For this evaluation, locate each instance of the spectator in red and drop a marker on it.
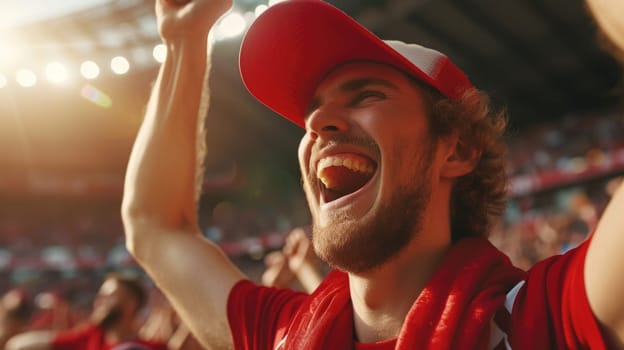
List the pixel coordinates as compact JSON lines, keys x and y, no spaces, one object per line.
{"x":112,"y":324}
{"x":15,"y":313}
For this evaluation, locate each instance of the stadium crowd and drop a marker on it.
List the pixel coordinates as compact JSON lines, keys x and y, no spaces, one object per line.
{"x":54,"y":258}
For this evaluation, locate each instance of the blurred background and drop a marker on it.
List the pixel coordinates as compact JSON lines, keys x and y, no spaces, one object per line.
{"x":75,"y":77}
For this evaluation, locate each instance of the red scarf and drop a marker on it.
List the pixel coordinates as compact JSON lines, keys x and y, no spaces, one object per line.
{"x":452,"y":312}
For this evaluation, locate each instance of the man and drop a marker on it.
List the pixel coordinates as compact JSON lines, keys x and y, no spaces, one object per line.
{"x":403,"y":170}
{"x":112,"y":323}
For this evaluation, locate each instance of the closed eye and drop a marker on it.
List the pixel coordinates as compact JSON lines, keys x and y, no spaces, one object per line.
{"x":366,"y":96}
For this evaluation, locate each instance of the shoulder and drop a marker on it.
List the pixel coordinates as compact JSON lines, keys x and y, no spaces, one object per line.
{"x":550,"y":308}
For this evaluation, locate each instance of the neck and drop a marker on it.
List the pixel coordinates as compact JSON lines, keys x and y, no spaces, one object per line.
{"x":382,"y":298}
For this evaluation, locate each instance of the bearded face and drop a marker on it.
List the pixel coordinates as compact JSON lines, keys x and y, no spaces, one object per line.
{"x":108,"y":305}
{"x":367,"y":162}
{"x":108,"y":319}
{"x":358,"y":244}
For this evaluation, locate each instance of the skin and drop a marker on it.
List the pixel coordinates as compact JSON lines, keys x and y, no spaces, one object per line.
{"x":159,"y":205}
{"x":295,"y":261}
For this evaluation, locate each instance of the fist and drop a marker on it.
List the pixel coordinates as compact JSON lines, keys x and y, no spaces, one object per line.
{"x":180,"y":19}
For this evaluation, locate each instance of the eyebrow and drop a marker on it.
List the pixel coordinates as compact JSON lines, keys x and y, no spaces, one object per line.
{"x":359,"y":83}
{"x":351,"y":86}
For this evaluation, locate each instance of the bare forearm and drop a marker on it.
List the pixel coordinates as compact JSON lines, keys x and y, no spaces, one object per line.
{"x":603,"y":267}
{"x":164,"y":165}
{"x":164,"y":176}
{"x":36,"y":340}
{"x":159,"y":206}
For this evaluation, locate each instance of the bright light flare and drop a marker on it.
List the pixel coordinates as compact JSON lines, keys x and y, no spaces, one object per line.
{"x":9,"y":51}
{"x":160,"y":53}
{"x":97,"y":96}
{"x":273,"y":2}
{"x":56,"y":72}
{"x":120,"y":65}
{"x":89,"y":70}
{"x":260,"y":9}
{"x":233,"y":24}
{"x":3,"y":81}
{"x":26,"y":77}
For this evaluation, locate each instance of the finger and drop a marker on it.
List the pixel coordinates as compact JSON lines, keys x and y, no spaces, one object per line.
{"x":274,"y":258}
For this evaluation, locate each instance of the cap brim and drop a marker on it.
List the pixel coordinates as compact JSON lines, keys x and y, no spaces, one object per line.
{"x":290,"y":48}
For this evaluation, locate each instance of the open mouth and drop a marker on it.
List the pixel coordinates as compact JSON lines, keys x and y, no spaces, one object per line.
{"x":343,"y":174}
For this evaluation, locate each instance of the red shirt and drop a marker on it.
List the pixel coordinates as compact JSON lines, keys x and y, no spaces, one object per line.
{"x":92,"y":338}
{"x":547,"y":310}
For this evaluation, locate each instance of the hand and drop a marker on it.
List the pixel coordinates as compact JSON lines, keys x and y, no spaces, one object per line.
{"x":277,"y":273}
{"x":298,"y":250}
{"x":180,"y":18}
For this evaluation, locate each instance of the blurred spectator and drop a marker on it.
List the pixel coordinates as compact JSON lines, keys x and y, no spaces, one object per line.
{"x":112,"y":323}
{"x":54,"y":312}
{"x":163,"y":324}
{"x":295,"y":261}
{"x":15,"y":312}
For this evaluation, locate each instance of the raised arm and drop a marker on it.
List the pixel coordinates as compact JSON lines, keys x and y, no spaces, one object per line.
{"x":34,"y":340}
{"x":604,"y":264}
{"x":164,"y":175}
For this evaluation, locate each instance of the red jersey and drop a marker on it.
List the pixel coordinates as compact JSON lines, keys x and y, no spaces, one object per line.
{"x":546,"y":309}
{"x":92,"y":338}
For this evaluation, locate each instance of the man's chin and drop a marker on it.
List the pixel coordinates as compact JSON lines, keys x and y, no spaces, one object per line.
{"x":365,"y":242}
{"x":349,"y":245}
{"x":106,"y":320}
{"x":346,"y":215}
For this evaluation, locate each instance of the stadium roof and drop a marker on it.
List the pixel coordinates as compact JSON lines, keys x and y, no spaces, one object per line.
{"x":541,"y":57}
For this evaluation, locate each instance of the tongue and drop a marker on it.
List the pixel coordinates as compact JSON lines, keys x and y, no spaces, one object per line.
{"x":342,"y":180}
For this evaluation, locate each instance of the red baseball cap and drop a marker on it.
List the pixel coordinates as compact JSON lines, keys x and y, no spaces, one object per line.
{"x":292,"y":46}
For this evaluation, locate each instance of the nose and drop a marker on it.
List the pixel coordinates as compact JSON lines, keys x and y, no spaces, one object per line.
{"x":326,"y":122}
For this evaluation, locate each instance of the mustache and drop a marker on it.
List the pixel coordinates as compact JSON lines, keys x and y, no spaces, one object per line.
{"x":364,"y":142}
{"x":343,"y":139}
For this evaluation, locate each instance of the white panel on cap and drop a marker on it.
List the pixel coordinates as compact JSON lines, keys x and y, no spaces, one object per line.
{"x":422,"y":57}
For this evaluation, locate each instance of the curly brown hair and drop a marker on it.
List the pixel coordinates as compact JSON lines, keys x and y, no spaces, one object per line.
{"x":478,"y":197}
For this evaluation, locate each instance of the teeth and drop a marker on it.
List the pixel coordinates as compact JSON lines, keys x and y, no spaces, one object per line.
{"x":350,"y":163}
{"x":327,"y":182}
{"x":353,"y":163}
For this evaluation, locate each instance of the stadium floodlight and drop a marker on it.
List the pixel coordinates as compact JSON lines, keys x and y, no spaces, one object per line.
{"x":56,"y":72}
{"x":89,"y":70}
{"x":26,"y":77}
{"x":273,"y":2}
{"x":233,"y":24}
{"x":260,"y":9}
{"x":10,"y":52}
{"x":120,"y":65}
{"x":160,"y":53}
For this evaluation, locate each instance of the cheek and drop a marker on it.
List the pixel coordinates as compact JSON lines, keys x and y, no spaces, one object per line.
{"x":303,"y":153}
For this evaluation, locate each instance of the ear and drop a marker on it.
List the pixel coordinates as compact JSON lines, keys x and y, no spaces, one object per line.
{"x":459,"y":159}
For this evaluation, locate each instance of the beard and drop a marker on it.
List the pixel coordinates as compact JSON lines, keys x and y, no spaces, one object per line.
{"x":109,"y":319}
{"x":357,"y":245}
